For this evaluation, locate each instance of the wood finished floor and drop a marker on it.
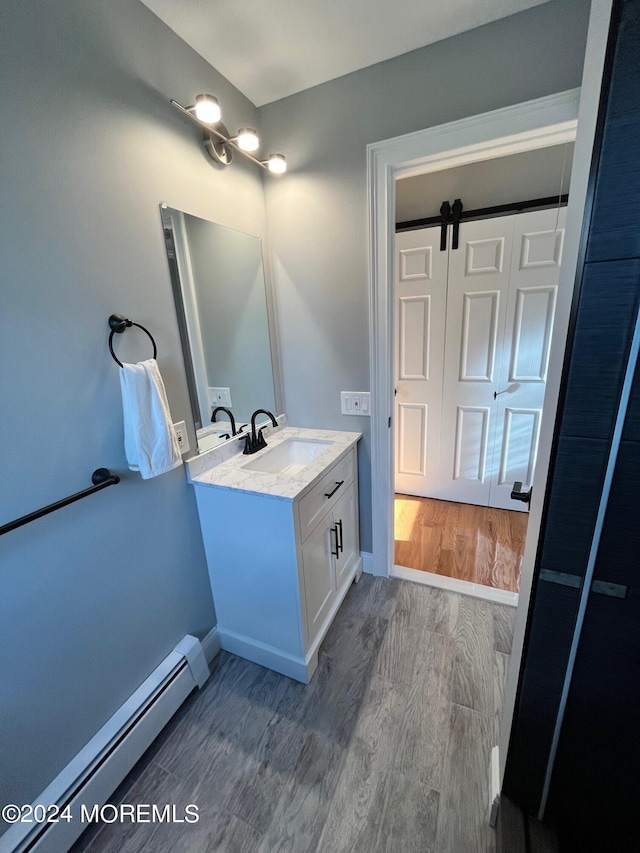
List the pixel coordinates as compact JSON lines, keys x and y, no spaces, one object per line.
{"x":387,"y":749}
{"x":472,"y":543}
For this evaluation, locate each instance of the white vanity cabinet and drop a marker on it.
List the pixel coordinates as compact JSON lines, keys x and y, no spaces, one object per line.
{"x":280,"y":566}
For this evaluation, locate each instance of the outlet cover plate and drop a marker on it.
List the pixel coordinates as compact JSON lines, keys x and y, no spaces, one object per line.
{"x":355,"y":403}
{"x":181,"y":434}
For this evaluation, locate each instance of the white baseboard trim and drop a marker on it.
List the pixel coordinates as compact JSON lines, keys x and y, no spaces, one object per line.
{"x":211,"y":644}
{"x":495,"y":786}
{"x":247,"y":647}
{"x":476,"y":590}
{"x":367,"y":562}
{"x":368,"y":565}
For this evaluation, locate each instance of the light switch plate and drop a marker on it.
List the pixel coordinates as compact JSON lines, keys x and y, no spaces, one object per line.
{"x":355,"y":403}
{"x":219,"y":396}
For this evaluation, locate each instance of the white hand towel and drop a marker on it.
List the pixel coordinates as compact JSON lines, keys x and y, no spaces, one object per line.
{"x":150,"y":442}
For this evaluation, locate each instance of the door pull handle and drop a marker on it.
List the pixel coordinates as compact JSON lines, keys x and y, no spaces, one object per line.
{"x":341,"y":541}
{"x":508,"y":390}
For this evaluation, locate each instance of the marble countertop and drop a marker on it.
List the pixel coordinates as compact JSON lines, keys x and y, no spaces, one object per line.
{"x":228,"y":473}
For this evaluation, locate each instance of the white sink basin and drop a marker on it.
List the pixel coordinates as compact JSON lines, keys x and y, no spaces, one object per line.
{"x":291,"y":456}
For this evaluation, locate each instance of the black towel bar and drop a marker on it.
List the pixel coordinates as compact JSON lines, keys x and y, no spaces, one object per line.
{"x":117,"y":324}
{"x":101,"y":478}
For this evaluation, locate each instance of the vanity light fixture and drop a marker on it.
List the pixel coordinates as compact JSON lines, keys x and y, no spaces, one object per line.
{"x":277,"y":163}
{"x":219,"y":144}
{"x":247,"y":139}
{"x":207,"y":109}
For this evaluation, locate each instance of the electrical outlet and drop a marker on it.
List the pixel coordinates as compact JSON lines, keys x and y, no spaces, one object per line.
{"x":355,"y":402}
{"x":220,"y":396}
{"x":181,"y":434}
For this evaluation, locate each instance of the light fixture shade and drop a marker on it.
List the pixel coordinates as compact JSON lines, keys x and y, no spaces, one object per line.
{"x":207,"y":109}
{"x":248,"y":139}
{"x":277,"y":163}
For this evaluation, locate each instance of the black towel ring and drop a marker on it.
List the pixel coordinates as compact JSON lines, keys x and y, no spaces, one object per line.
{"x":118,"y":324}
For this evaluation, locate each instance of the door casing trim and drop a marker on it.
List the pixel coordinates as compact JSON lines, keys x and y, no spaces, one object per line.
{"x":540,"y":123}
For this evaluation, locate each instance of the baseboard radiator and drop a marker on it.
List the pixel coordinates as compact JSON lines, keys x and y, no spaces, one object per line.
{"x":96,"y":771}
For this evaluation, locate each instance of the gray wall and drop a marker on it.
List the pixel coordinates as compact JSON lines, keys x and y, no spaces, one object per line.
{"x":532,"y":174}
{"x":94,"y":596}
{"x":317,"y":212}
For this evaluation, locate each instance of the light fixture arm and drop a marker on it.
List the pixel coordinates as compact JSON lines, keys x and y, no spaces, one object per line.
{"x":209,"y":129}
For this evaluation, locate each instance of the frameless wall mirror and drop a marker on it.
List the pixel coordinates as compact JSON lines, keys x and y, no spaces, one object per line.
{"x":219,"y":287}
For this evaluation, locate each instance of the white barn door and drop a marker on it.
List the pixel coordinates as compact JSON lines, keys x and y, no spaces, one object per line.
{"x":420,"y":307}
{"x":476,"y":309}
{"x":473,"y":332}
{"x":533,"y":285}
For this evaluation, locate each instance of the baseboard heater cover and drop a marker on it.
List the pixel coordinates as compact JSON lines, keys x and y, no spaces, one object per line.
{"x":96,"y":771}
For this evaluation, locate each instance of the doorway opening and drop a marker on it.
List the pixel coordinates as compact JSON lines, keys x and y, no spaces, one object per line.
{"x":547,"y":122}
{"x":474,"y":294}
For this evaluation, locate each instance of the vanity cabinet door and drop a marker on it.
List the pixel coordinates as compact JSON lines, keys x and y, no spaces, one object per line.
{"x":328,"y":556}
{"x":319,"y":576}
{"x":344,"y":518}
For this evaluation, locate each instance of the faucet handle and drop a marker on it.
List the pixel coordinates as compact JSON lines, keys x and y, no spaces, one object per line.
{"x":251,"y":444}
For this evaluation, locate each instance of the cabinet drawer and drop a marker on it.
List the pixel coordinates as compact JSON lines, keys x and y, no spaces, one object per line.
{"x":314,"y":504}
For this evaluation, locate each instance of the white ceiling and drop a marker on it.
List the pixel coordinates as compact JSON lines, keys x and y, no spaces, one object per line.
{"x":272,"y":48}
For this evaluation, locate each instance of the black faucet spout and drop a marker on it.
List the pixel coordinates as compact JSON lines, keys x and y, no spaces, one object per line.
{"x":231,"y":418}
{"x":257,"y":442}
{"x":261,"y":412}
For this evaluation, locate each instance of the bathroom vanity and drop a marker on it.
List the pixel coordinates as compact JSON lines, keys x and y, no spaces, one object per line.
{"x":280,"y":530}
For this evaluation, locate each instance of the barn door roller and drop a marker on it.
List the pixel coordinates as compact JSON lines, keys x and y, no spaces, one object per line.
{"x":445,"y":213}
{"x":456,"y":212}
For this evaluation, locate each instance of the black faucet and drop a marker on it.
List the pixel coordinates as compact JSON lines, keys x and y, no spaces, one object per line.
{"x":255,"y":442}
{"x":231,"y":418}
